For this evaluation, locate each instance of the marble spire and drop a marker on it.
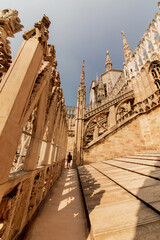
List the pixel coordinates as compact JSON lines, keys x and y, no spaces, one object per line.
{"x":108,"y":63}
{"x":126,"y":49}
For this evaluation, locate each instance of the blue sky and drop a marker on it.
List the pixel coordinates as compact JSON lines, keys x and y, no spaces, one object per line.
{"x":85,"y":29}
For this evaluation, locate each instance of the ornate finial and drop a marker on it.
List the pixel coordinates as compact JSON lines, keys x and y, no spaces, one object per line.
{"x":126,"y":48}
{"x":57,"y":79}
{"x":10,"y":22}
{"x":101,"y":90}
{"x":97,"y":77}
{"x":9,"y":25}
{"x":122,"y":32}
{"x":124,"y":38}
{"x":40,"y":31}
{"x":108,"y":64}
{"x":82,"y":73}
{"x":50,"y":54}
{"x":83,"y":65}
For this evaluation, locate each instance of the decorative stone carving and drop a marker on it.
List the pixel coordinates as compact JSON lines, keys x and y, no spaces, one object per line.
{"x":96,"y":126}
{"x":110,"y":102}
{"x":108,"y":64}
{"x":100,"y":91}
{"x":40,"y":31}
{"x":126,"y":48}
{"x":9,"y":25}
{"x":28,"y":99}
{"x":50,"y":55}
{"x":154,"y":56}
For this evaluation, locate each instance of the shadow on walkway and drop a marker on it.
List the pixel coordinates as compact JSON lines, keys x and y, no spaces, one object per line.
{"x":62,"y":216}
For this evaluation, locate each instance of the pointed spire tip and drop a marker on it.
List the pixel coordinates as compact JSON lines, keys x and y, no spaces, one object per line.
{"x":108,"y":64}
{"x":97,"y":76}
{"x":82,"y":73}
{"x":126,"y":49}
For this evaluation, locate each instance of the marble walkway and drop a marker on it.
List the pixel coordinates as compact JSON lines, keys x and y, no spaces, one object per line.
{"x":123,"y":197}
{"x":62,"y":216}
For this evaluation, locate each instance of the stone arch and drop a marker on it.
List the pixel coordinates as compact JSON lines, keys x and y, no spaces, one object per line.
{"x":98,"y":114}
{"x":123,"y":101}
{"x":99,"y":120}
{"x":123,"y":107}
{"x":154,"y":69}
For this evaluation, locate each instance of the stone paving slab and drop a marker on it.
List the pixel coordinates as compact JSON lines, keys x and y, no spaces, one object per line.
{"x":147,"y":185}
{"x":121,"y":215}
{"x":102,"y":197}
{"x":137,"y":174}
{"x":147,"y":170}
{"x":140,"y":161}
{"x":148,"y":231}
{"x":116,"y":204}
{"x":144,"y":157}
{"x":132,"y":165}
{"x":147,"y":156}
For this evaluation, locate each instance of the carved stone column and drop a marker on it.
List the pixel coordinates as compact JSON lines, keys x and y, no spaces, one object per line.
{"x":64,"y":140}
{"x":33,"y":153}
{"x":58,"y":134}
{"x":54,"y":133}
{"x":79,"y":121}
{"x":50,"y":126}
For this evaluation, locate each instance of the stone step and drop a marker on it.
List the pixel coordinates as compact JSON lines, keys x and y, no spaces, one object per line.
{"x":146,"y":156}
{"x":122,"y":199}
{"x":143,"y":162}
{"x":149,"y":191}
{"x":146,"y":170}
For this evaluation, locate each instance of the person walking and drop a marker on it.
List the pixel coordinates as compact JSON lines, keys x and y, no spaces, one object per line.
{"x":69,"y":158}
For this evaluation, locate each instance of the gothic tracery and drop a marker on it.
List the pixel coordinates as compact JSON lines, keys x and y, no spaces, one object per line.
{"x":155,"y":70}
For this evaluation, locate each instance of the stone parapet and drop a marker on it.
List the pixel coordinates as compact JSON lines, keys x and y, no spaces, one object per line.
{"x":22,"y":195}
{"x":33,"y":130}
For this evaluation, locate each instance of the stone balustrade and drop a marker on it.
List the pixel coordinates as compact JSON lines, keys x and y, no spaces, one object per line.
{"x":141,"y":107}
{"x":33,"y":130}
{"x":70,"y":110}
{"x":91,"y":111}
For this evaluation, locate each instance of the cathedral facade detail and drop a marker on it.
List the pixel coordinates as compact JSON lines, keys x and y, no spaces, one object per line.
{"x":119,"y":97}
